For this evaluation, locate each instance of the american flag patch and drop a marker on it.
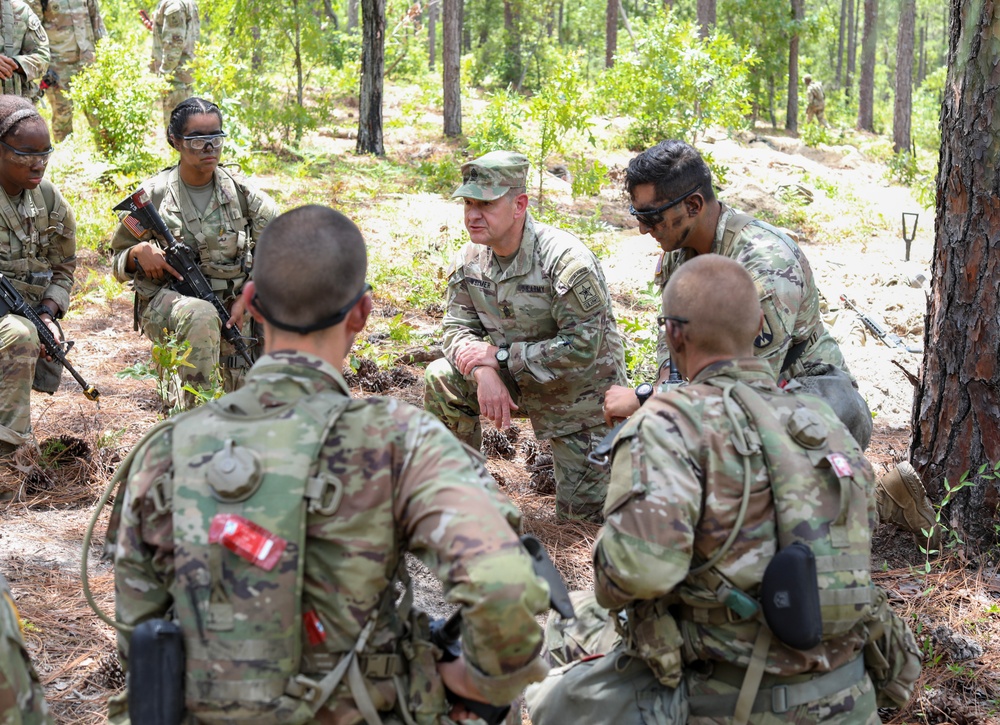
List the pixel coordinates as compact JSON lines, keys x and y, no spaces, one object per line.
{"x":134,"y":226}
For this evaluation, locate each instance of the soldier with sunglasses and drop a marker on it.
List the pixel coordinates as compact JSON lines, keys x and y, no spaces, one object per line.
{"x":670,"y":187}
{"x":220,"y":216}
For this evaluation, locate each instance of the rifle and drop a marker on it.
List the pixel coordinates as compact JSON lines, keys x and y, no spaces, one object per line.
{"x":12,"y":303}
{"x":50,"y":80}
{"x":142,"y":216}
{"x":601,"y":455}
{"x":446,"y":633}
{"x":890,"y":339}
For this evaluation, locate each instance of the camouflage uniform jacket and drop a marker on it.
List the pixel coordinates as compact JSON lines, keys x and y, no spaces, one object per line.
{"x":815,"y":99}
{"x":408,"y":485}
{"x":73,"y":27}
{"x":22,"y":701}
{"x":787,"y":290}
{"x":552,"y":309}
{"x":675,"y":460}
{"x":223,"y":235}
{"x":176,"y":31}
{"x":25,"y":42}
{"x":37,"y":236}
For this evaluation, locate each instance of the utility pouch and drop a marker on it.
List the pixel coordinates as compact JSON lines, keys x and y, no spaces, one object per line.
{"x":892,"y":657}
{"x":789,"y":594}
{"x":425,"y":696}
{"x":156,"y":674}
{"x":39,"y":279}
{"x":657,"y":641}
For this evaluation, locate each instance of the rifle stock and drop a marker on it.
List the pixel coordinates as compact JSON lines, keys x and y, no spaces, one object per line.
{"x":11,"y":302}
{"x":180,"y":257}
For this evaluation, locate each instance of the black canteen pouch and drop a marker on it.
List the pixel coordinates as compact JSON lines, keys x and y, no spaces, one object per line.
{"x":156,"y":673}
{"x":789,"y":597}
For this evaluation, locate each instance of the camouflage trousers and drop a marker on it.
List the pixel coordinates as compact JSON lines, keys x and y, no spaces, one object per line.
{"x":22,"y":700}
{"x":817,"y":114}
{"x":195,"y":321}
{"x":59,"y":100}
{"x":179,"y":88}
{"x":18,"y":357}
{"x":580,"y":487}
{"x":614,"y":687}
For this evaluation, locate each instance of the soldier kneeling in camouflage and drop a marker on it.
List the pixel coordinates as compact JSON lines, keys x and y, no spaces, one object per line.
{"x":736,"y":547}
{"x":528,"y":327}
{"x":271,"y":526}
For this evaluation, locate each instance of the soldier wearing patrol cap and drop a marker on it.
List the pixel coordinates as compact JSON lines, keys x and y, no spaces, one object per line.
{"x":528,"y":327}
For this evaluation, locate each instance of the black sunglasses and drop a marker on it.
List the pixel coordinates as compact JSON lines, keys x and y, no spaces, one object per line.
{"x":652,"y":217}
{"x":663,"y":319}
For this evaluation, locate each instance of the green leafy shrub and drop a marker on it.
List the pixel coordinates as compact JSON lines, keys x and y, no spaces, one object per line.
{"x":588,"y":175}
{"x":499,"y":127}
{"x":902,"y":168}
{"x":124,"y":102}
{"x":813,"y":134}
{"x":674,"y":84}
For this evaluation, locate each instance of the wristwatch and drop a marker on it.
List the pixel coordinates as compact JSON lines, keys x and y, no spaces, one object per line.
{"x":643,"y":391}
{"x":502,"y":356}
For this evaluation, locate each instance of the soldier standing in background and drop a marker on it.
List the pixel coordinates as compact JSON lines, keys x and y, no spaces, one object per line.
{"x":25,"y":54}
{"x":176,"y":30}
{"x":73,"y":27}
{"x":815,"y":101}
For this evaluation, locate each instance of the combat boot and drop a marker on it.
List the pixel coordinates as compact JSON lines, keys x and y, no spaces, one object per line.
{"x":901,"y":500}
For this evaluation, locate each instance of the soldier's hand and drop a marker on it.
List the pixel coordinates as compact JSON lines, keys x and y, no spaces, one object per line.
{"x":456,"y":678}
{"x":54,"y":329}
{"x":476,"y":354}
{"x":494,"y":399}
{"x":619,"y":403}
{"x":153,"y":261}
{"x":8,"y":67}
{"x":236,"y":313}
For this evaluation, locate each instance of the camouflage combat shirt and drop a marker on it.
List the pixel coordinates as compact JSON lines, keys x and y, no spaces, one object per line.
{"x":787,"y":290}
{"x":675,"y":462}
{"x":552,"y":309}
{"x":73,"y":27}
{"x":176,"y":30}
{"x":24,"y":41}
{"x":37,"y":236}
{"x":22,"y":701}
{"x":408,"y":485}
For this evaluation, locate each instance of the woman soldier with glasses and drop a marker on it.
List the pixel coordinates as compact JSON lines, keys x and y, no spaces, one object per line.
{"x":219,"y":216}
{"x":38,"y":256}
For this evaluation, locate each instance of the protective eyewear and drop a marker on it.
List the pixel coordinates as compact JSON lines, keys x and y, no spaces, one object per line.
{"x":652,"y":217}
{"x":27,"y":157}
{"x":334,"y":319}
{"x":663,"y":319}
{"x":198,"y":143}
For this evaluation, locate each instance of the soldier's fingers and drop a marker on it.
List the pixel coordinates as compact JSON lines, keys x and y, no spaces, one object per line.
{"x":172,"y":271}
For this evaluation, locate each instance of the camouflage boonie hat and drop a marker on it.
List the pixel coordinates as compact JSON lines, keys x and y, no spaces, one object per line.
{"x":491,"y":176}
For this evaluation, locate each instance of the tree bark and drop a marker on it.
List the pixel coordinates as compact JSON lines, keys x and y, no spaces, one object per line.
{"x":610,"y":33}
{"x":706,"y":17}
{"x":957,"y":403}
{"x":922,"y":63}
{"x":852,"y":46}
{"x":352,"y":14}
{"x":866,"y":86}
{"x":432,"y":15}
{"x":792,"y":109}
{"x":840,"y":42}
{"x":372,"y":73}
{"x":451,"y":55}
{"x":904,"y":77}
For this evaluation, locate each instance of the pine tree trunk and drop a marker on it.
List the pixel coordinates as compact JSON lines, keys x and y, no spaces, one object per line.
{"x":840,"y":42}
{"x":866,"y":86}
{"x":372,"y":72}
{"x":904,"y":77}
{"x":956,"y":407}
{"x":451,"y":55}
{"x":792,"y":109}
{"x":706,"y":17}
{"x":433,"y":8}
{"x":611,"y":33}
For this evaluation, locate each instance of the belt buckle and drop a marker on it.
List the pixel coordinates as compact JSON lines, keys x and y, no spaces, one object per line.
{"x":779,"y":699}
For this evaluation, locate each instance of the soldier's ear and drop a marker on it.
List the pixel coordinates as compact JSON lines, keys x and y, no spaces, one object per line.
{"x":249,"y":295}
{"x":694,"y":204}
{"x":357,"y":318}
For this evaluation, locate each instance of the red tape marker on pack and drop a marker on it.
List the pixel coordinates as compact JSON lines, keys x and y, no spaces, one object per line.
{"x":247,"y":540}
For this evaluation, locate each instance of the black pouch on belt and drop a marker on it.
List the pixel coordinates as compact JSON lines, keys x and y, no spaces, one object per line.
{"x":789,"y":595}
{"x":156,"y":674}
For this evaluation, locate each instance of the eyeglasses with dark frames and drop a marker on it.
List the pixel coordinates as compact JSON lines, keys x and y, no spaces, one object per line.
{"x":27,"y":156}
{"x":652,"y":217}
{"x":663,"y":319}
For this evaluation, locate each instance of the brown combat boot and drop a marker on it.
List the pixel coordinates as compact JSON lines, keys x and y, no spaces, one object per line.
{"x":901,"y":500}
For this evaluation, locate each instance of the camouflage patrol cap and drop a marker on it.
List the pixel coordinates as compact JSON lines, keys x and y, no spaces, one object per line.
{"x":491,"y":176}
